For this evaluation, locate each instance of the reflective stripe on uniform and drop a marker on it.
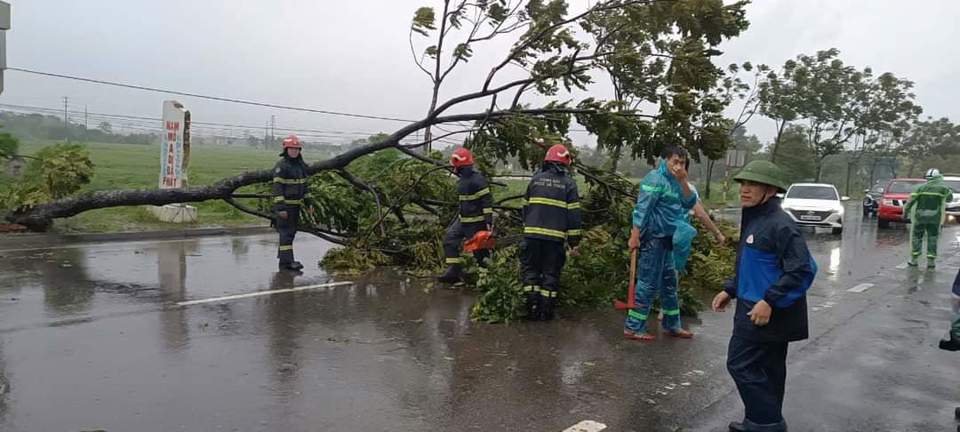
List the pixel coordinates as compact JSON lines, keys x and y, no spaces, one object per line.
{"x":547,"y":293}
{"x":574,"y":233}
{"x":671,"y":312}
{"x":573,"y":206}
{"x":544,"y":231}
{"x":289,"y":181}
{"x":292,"y":202}
{"x":658,"y":189}
{"x":278,"y":199}
{"x":477,"y":195}
{"x":548,"y":201}
{"x":471,"y":219}
{"x":454,"y":260}
{"x":530,"y":288}
{"x":487,"y":211}
{"x":285,"y":248}
{"x":636,"y":315}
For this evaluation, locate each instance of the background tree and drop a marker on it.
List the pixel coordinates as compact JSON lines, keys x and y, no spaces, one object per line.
{"x":928,"y":138}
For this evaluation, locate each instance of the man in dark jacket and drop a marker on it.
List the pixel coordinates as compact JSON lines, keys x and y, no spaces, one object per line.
{"x":952,"y":342}
{"x":551,"y":217}
{"x":475,"y":214}
{"x":774,"y":270}
{"x":289,"y":190}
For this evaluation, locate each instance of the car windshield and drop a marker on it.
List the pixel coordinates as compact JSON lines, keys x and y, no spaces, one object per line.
{"x":954,"y":184}
{"x":813,"y":192}
{"x":902,"y":187}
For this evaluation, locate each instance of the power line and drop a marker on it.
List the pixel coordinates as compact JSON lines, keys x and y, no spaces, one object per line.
{"x":216,"y":98}
{"x":144,"y":119}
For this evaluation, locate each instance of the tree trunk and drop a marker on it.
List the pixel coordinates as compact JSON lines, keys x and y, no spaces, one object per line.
{"x":706,"y":191}
{"x":819,"y":169}
{"x":428,"y":133}
{"x":615,"y":159}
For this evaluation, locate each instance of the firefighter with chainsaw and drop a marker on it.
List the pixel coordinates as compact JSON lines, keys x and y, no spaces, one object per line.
{"x":926,"y":211}
{"x":551,"y":222}
{"x":475,"y":216}
{"x":289,"y":190}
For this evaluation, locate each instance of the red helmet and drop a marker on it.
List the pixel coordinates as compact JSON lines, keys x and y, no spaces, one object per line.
{"x":291,"y":141}
{"x":559,"y":153}
{"x":461,"y":157}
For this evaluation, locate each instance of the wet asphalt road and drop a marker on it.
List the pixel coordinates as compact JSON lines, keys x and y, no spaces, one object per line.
{"x":91,"y":337}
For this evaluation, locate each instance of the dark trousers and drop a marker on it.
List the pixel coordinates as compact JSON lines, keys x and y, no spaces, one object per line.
{"x":760,"y":371}
{"x":456,"y":233}
{"x":541,"y":262}
{"x":288,"y":230}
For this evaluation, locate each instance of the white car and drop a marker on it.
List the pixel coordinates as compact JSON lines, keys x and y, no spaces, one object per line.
{"x":953,"y":207}
{"x":816,"y":205}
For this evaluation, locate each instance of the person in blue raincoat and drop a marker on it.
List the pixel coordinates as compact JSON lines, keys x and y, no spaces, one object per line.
{"x":774,"y":270}
{"x":664,"y":200}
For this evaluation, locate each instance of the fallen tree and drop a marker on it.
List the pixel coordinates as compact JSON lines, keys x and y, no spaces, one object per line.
{"x":388,"y":201}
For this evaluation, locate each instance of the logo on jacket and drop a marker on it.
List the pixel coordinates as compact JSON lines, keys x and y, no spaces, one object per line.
{"x":750,"y":239}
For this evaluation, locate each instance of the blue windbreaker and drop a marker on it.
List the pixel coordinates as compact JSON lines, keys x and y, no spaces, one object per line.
{"x":661,"y":203}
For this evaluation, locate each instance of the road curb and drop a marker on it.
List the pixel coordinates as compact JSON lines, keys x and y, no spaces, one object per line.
{"x":11,"y":241}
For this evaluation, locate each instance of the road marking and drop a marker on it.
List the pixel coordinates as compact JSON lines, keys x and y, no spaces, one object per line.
{"x":586,"y":426}
{"x":860,"y":288}
{"x":261,"y":293}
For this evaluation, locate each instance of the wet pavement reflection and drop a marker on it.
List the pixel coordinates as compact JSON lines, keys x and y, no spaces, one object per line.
{"x":91,"y":338}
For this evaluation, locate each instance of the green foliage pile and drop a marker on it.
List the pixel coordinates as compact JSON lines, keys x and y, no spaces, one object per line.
{"x":55,"y":172}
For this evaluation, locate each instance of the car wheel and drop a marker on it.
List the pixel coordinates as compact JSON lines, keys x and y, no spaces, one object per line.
{"x":883,"y":223}
{"x":837,"y":231}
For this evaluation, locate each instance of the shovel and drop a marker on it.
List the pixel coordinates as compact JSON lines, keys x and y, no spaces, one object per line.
{"x":632,"y":289}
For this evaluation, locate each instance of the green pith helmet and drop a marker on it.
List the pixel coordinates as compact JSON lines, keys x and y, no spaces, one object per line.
{"x":766,"y":172}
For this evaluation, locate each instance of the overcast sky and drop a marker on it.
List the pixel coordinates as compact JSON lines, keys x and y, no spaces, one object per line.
{"x":354,"y":56}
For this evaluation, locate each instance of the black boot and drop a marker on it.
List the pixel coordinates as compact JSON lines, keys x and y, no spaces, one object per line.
{"x":454,"y":274}
{"x":952,"y":344}
{"x":296,"y":266}
{"x":482,"y":256}
{"x":737,"y":427}
{"x":533,"y":305}
{"x":546,"y":310}
{"x":290,"y":266}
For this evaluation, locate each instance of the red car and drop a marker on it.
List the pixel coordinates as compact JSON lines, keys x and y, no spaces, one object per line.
{"x":895,"y":197}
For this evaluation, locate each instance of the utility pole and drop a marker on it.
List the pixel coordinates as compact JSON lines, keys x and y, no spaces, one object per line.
{"x":85,"y":124}
{"x":273,"y":128}
{"x":266,"y":135}
{"x":66,"y":120}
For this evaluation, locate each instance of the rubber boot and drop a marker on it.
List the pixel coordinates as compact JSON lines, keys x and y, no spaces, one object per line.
{"x":453,"y":275}
{"x":533,"y":305}
{"x":931,"y":263}
{"x":483,"y":257}
{"x":292,"y":266}
{"x":546,"y":311}
{"x":952,"y":344}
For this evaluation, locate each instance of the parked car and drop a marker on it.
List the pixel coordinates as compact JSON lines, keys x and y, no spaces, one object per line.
{"x":895,"y":196}
{"x":816,"y":205}
{"x":953,"y":207}
{"x":871,"y":199}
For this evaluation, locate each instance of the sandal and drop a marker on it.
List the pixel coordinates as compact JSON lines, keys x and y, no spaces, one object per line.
{"x":680,"y":334}
{"x":642,"y":337}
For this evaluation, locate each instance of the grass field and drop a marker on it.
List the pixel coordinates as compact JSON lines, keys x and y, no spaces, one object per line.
{"x":124,"y":166}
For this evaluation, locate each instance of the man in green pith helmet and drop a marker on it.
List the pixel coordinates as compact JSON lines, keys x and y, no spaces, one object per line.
{"x":774,"y":270}
{"x":926,"y":211}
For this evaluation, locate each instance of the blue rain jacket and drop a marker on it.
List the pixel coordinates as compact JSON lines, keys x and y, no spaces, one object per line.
{"x":661,"y":204}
